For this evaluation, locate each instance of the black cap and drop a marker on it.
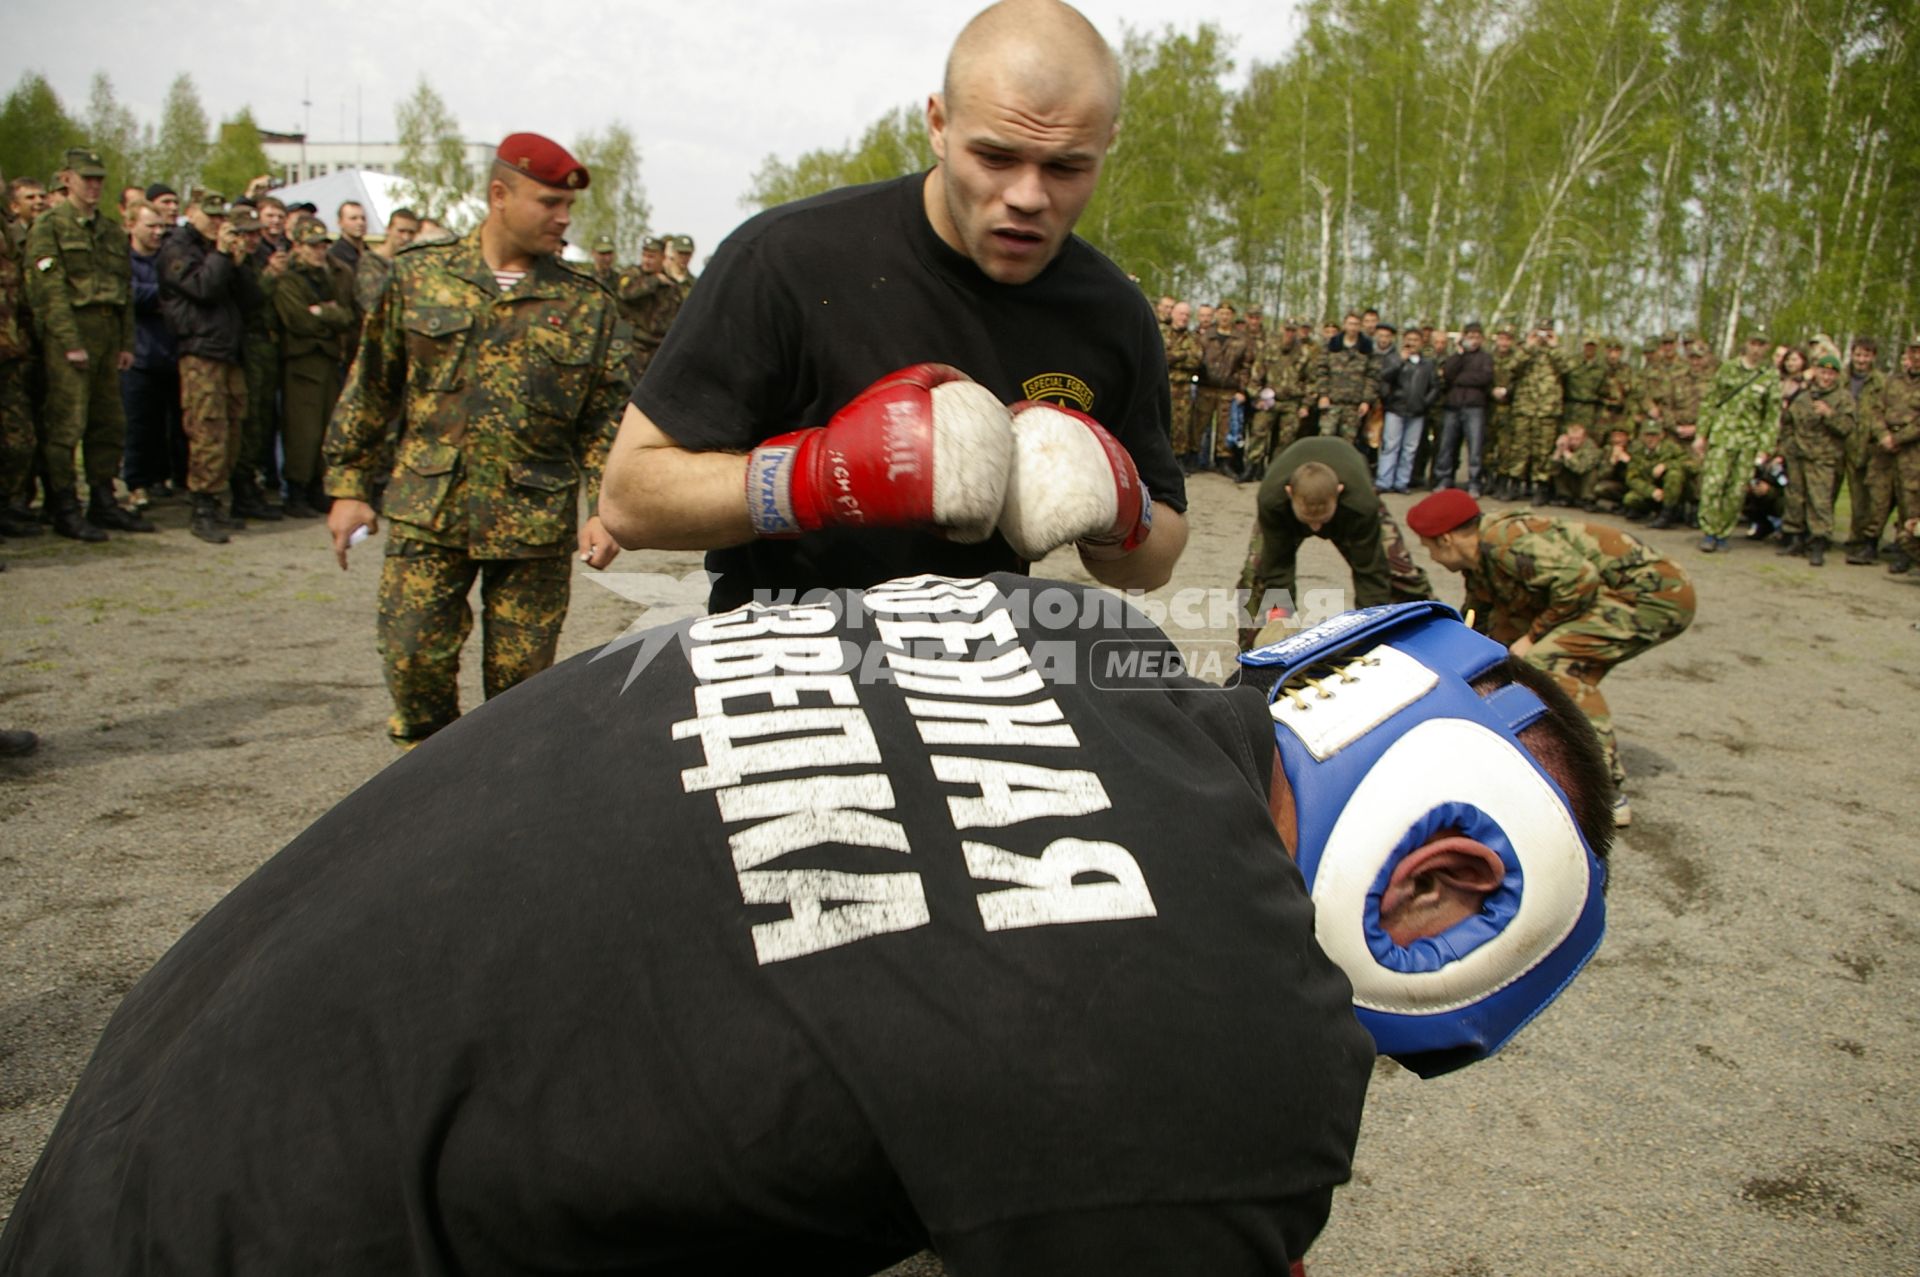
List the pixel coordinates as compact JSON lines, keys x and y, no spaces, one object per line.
{"x":158,"y":189}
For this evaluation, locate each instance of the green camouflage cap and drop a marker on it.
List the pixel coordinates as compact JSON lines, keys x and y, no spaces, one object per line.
{"x":653,"y":244}
{"x":1505,"y":326}
{"x":603,"y":243}
{"x":1758,"y":333}
{"x":212,"y":203}
{"x":1913,"y":342}
{"x":243,"y":218}
{"x":84,"y":163}
{"x":1614,"y":343}
{"x":1589,"y":339}
{"x":681,"y":243}
{"x":1827,"y":361}
{"x":1669,"y":337}
{"x":312,"y":231}
{"x":1652,"y":426}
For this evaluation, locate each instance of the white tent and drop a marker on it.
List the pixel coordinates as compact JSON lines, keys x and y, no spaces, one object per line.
{"x":378,"y":193}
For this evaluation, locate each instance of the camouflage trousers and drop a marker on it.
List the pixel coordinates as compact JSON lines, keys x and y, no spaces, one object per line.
{"x":1880,"y":484}
{"x":1181,"y":390}
{"x":16,"y":429}
{"x":1406,"y":580}
{"x":263,"y":414}
{"x":1811,"y":484}
{"x":1724,"y":472}
{"x":1906,"y":468}
{"x":1574,"y":487}
{"x":1212,"y":413}
{"x":213,"y":414}
{"x":1529,"y":447}
{"x":83,"y":407}
{"x":1619,"y":626}
{"x":1269,"y":433}
{"x":425,"y":619}
{"x":1342,"y":420}
{"x":1499,"y":427}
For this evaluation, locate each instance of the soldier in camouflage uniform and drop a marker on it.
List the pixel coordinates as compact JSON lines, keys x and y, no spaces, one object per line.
{"x":506,"y":372}
{"x":1816,"y":431}
{"x":261,"y":359}
{"x":1652,"y":458}
{"x":1575,"y":599}
{"x":1538,"y":367}
{"x":1345,"y":383}
{"x":1264,"y":354}
{"x":1617,"y":390}
{"x":317,"y":316}
{"x":80,"y":286}
{"x":1739,"y":416}
{"x":1225,"y":362}
{"x":604,"y":268}
{"x":1869,"y":468}
{"x":649,"y":301}
{"x":1184,"y":363}
{"x":1576,"y":468}
{"x":1500,"y":415}
{"x":16,"y":357}
{"x":1900,"y":436}
{"x":1585,"y":377}
{"x":1657,"y":378}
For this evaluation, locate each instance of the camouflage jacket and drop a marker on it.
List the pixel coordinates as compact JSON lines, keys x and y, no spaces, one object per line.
{"x":1537,"y":371}
{"x":1642,"y":461}
{"x":1537,"y":573}
{"x":1812,"y":435}
{"x":1227,"y":358}
{"x":1869,"y":401}
{"x":487,"y":409}
{"x":1617,"y":390}
{"x":1584,"y":379}
{"x":1345,"y":375}
{"x":1686,"y":389}
{"x":1503,"y":379}
{"x":1287,"y":374}
{"x":16,"y":318}
{"x":1655,"y":386}
{"x":74,"y":265}
{"x":1583,"y":460}
{"x":1900,"y":410}
{"x":649,"y":303}
{"x":1183,"y":355}
{"x":1741,"y":406}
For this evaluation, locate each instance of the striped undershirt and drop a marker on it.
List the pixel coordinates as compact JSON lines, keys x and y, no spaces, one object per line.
{"x":506,"y":279}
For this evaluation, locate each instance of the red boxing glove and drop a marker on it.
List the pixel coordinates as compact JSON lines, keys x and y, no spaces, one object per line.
{"x":1072,"y":481}
{"x":926,"y":446}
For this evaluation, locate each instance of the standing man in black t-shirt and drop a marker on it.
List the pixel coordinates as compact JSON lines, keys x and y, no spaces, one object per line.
{"x":972,"y":265}
{"x":796,"y":939}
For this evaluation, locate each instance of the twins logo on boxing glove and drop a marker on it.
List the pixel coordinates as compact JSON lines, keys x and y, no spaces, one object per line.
{"x":1071,"y":481}
{"x":926,"y":446}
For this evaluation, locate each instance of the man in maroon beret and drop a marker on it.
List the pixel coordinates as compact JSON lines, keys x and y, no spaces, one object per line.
{"x":487,"y":390}
{"x":1575,"y":599}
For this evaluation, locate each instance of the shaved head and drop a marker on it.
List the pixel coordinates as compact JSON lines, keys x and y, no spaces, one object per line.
{"x":1049,"y":49}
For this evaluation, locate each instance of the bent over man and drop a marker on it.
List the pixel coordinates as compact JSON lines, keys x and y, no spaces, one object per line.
{"x":842,"y":929}
{"x":1575,"y":599}
{"x":505,"y":373}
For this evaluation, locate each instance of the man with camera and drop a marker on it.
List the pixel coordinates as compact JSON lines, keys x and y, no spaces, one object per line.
{"x":206,"y":296}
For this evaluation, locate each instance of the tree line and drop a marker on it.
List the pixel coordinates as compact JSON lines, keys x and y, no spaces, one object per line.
{"x":1619,"y":165}
{"x":186,"y":152}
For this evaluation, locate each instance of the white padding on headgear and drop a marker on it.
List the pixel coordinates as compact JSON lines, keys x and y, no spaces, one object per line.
{"x":1449,"y":760}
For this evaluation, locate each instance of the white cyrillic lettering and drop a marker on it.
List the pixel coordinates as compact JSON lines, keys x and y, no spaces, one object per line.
{"x":810,"y":738}
{"x":883,"y":903}
{"x":749,"y":658}
{"x":972,"y":723}
{"x":1044,"y":891}
{"x":1013,"y":792}
{"x":807,"y":812}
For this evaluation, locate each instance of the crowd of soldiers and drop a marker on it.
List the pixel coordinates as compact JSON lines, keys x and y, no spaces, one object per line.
{"x":1680,"y":438}
{"x":195,"y":347}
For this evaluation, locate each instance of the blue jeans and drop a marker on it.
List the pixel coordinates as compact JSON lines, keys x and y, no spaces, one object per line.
{"x":1398,"y":442}
{"x":1452,"y":421}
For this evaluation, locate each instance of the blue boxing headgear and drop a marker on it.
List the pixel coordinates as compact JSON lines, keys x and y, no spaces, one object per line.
{"x":1387,"y":747}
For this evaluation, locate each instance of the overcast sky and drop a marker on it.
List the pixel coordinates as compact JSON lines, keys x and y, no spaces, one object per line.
{"x":710,"y":86}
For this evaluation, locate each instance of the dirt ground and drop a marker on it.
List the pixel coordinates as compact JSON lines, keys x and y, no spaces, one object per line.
{"x":1728,"y":1090}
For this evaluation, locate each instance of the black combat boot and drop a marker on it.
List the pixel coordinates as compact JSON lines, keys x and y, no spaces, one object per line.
{"x":206,"y":522}
{"x":1898,"y":564}
{"x":1542,"y":495}
{"x":1816,"y":551}
{"x":63,"y":512}
{"x":249,"y":502}
{"x":104,"y":512}
{"x":1796,"y":543}
{"x":18,"y":521}
{"x":1861,"y":553}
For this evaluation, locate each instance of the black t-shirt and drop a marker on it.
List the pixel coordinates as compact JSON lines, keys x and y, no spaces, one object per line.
{"x":808,"y":304}
{"x":776,"y":971}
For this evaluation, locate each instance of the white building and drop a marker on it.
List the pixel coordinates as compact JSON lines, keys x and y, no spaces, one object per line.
{"x":296,"y":158}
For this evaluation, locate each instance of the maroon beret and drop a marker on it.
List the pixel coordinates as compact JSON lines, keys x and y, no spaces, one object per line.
{"x":544,"y":160}
{"x":1442,"y":512}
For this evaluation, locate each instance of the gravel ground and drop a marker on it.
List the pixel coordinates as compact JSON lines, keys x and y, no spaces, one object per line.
{"x":1728,"y":1090}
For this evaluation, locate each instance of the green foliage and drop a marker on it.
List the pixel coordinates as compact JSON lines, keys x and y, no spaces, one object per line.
{"x":433,"y":160}
{"x":1620,"y":165}
{"x":180,"y":153}
{"x":238,"y":157}
{"x":35,"y":130}
{"x":896,"y":144}
{"x":616,"y":202}
{"x":112,"y":131}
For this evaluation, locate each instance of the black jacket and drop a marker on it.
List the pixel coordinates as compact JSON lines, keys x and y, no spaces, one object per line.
{"x":1469,"y":378}
{"x":1408,"y":389}
{"x":205,"y":297}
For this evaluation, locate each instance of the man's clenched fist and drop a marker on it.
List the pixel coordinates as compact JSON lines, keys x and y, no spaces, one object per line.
{"x":922,"y":447}
{"x":1072,"y":481}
